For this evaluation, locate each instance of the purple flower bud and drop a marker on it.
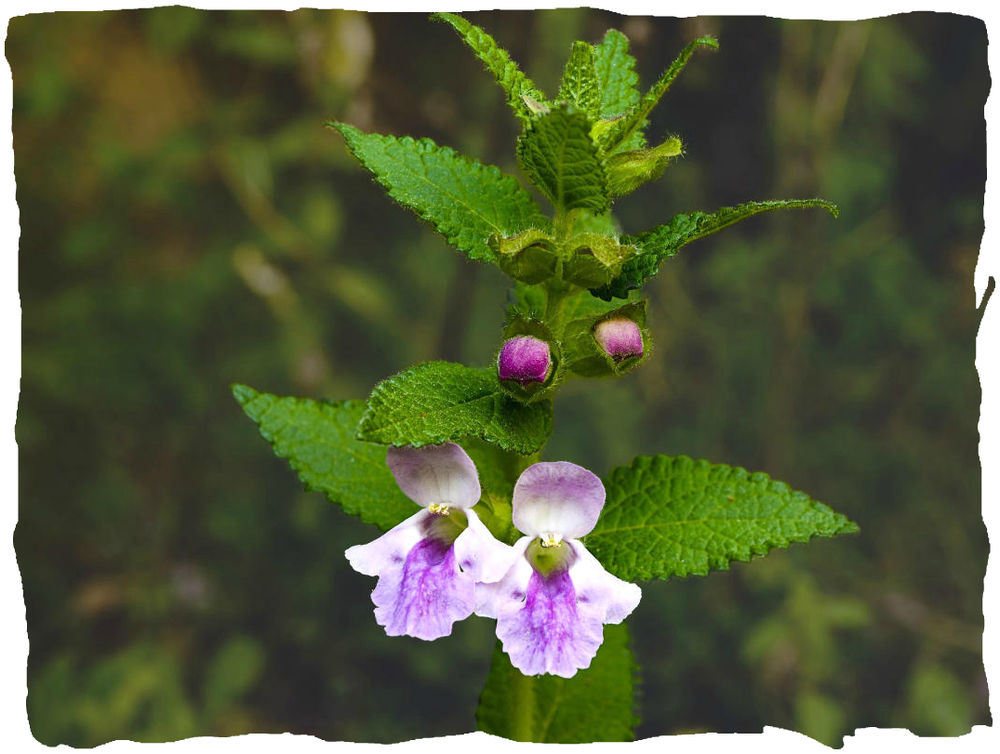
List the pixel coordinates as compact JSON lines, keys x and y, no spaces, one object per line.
{"x":619,"y":337}
{"x":525,"y":359}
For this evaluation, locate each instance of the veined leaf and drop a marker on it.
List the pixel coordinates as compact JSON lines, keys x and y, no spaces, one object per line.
{"x":594,"y":705}
{"x":618,"y":135}
{"x":579,"y":81}
{"x":440,"y":401}
{"x":317,"y":439}
{"x":673,"y":516}
{"x":665,"y":240}
{"x":558,"y":155}
{"x":616,"y":76}
{"x":466,"y":201}
{"x":510,"y":78}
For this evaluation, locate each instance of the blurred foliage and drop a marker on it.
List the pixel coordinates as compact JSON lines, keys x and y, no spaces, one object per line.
{"x":186,"y":222}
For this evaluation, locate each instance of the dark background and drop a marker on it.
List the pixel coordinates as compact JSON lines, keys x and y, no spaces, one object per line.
{"x":186,"y":222}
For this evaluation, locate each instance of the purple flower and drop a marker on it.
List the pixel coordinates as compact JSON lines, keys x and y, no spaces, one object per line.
{"x":524,"y":359}
{"x":553,"y":602}
{"x":429,"y":564}
{"x":619,"y":338}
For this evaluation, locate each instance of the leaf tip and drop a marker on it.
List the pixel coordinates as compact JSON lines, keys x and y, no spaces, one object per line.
{"x":243,"y":393}
{"x":707,"y":41}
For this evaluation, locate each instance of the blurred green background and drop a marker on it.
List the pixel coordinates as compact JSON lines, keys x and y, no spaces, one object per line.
{"x":186,"y":222}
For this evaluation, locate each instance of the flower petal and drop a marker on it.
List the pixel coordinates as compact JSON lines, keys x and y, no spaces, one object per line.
{"x":390,"y":549}
{"x":557,"y":498}
{"x":426,"y":595}
{"x":511,"y":588}
{"x":551,"y":632}
{"x":480,"y":554}
{"x":441,"y":474}
{"x":612,"y":598}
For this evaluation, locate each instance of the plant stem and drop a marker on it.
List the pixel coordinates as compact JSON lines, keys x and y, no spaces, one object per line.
{"x":523,"y":704}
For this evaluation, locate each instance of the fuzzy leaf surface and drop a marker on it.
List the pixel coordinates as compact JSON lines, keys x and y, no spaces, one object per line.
{"x":579,"y":85}
{"x":317,"y":439}
{"x":440,"y":401}
{"x":618,"y":137}
{"x":560,"y":158}
{"x":465,"y":200}
{"x":510,"y":78}
{"x":594,"y":705}
{"x":673,"y":516}
{"x":616,"y":76}
{"x":666,"y":240}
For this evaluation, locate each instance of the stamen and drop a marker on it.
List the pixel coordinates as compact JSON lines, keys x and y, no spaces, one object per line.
{"x":438,"y":509}
{"x":550,"y":540}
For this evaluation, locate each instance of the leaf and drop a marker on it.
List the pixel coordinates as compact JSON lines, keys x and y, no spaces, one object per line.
{"x":579,"y":85}
{"x":559,"y":157}
{"x":594,"y":705}
{"x":634,"y":120}
{"x":616,"y":76}
{"x":510,"y":78}
{"x":672,"y":516}
{"x":666,"y":240}
{"x":439,"y":401}
{"x":317,"y":438}
{"x":466,"y":201}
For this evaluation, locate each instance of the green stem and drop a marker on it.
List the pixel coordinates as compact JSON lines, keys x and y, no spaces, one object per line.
{"x":523,"y":703}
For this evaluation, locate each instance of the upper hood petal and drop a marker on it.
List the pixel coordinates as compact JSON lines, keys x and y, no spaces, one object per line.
{"x":557,"y":497}
{"x":442,"y":474}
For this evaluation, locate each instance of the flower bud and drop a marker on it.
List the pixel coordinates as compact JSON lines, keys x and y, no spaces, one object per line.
{"x":524,"y":359}
{"x":619,"y":338}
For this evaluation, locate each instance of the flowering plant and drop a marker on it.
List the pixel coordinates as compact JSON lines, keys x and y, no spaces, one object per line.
{"x":546,"y":548}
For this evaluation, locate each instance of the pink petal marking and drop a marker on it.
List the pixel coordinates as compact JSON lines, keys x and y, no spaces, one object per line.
{"x":426,"y":595}
{"x":550,"y":632}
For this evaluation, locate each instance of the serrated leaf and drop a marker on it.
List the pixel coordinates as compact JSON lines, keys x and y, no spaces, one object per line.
{"x":466,"y":201}
{"x":673,"y":516}
{"x":618,"y":135}
{"x":440,"y":401}
{"x":579,"y":85}
{"x":557,"y":154}
{"x":515,"y":84}
{"x":616,"y":76}
{"x":317,"y":438}
{"x":594,"y":705}
{"x":665,"y":240}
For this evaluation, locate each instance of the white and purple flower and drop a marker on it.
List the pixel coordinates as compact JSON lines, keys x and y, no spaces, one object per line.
{"x":428,"y":565}
{"x":553,"y":602}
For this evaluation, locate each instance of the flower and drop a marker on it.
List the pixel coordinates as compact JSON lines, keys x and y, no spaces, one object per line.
{"x":553,"y":602}
{"x":524,"y":359}
{"x":428,"y":565}
{"x":619,"y":338}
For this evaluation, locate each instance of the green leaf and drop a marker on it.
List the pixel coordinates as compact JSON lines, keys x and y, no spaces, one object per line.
{"x":559,"y":157}
{"x":618,"y":134}
{"x":629,"y":170}
{"x":666,"y":240}
{"x":465,"y":201}
{"x":672,"y":516}
{"x":594,"y":705}
{"x":616,"y":76}
{"x":515,"y":84}
{"x":439,"y":401}
{"x":318,"y":440}
{"x":579,"y":85}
